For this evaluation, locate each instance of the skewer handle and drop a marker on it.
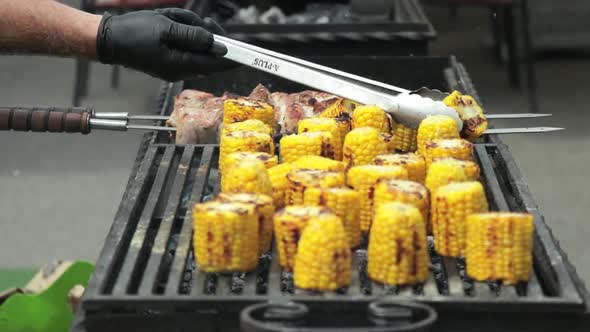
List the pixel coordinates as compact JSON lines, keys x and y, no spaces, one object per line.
{"x":46,"y":119}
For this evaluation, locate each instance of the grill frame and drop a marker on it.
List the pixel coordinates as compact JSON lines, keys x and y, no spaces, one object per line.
{"x":549,"y":258}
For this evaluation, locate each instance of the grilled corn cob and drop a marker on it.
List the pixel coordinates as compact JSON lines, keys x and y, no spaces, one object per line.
{"x":448,"y":148}
{"x":362,"y":145}
{"x":265,"y":209}
{"x":278,"y":180}
{"x":319,"y":163}
{"x":300,"y":180}
{"x":397,"y":253}
{"x":249,"y":176}
{"x":225,"y":236}
{"x":242,"y":109}
{"x":323,"y":260}
{"x":288,"y":225}
{"x":443,"y":172}
{"x":401,"y":191}
{"x":344,"y":125}
{"x":339,"y":108}
{"x":471,"y":168}
{"x":321,"y":125}
{"x":389,"y":142}
{"x":370,"y":116}
{"x":499,"y":246}
{"x":243,"y":141}
{"x":364,"y":179}
{"x":343,"y":202}
{"x":235,"y":158}
{"x":319,"y":143}
{"x":474,"y":121}
{"x":413,"y":163}
{"x":406,"y":139}
{"x":248,"y":125}
{"x":451,"y":204}
{"x":435,"y":127}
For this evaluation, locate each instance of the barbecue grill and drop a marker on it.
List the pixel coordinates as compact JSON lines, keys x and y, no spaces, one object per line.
{"x":145,"y":278}
{"x":407,"y":32}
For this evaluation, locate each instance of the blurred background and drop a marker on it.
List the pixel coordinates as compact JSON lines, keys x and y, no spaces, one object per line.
{"x":59,"y":193}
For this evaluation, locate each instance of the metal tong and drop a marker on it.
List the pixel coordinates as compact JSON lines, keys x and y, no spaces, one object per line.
{"x":407,"y":107}
{"x":72,"y":120}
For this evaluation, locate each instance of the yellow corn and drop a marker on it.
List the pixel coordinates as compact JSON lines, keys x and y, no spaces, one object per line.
{"x":474,"y":121}
{"x":248,"y":125}
{"x":319,"y":163}
{"x":323,"y":261}
{"x":242,"y":109}
{"x":319,"y":143}
{"x":389,"y":141}
{"x":364,"y":179}
{"x":413,"y":163}
{"x":370,"y":116}
{"x":397,"y":253}
{"x":448,"y":148}
{"x":288,"y":225}
{"x":499,"y":246}
{"x":362,"y":145}
{"x":235,"y":158}
{"x":471,"y":168}
{"x":225,"y":237}
{"x":451,"y":204}
{"x":443,"y":172}
{"x":300,"y":180}
{"x":278,"y":180}
{"x":265,"y":209}
{"x":343,"y":202}
{"x":323,"y":125}
{"x":338,"y":109}
{"x":401,"y":191}
{"x":435,"y":127}
{"x":406,"y":139}
{"x":249,"y":176}
{"x":344,"y":125}
{"x":243,"y":141}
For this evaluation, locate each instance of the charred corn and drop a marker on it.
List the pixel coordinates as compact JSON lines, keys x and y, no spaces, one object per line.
{"x":397,"y":252}
{"x":248,"y":125}
{"x":370,"y":116}
{"x":324,"y":125}
{"x":362,"y":145}
{"x":265,"y":210}
{"x":406,"y":139}
{"x":448,"y":148}
{"x":278,"y":180}
{"x":242,"y":109}
{"x":243,"y":141}
{"x":344,"y":125}
{"x":225,"y":237}
{"x":389,"y":141}
{"x":319,"y":163}
{"x":443,"y":172}
{"x":499,"y":246}
{"x":435,"y":127}
{"x":343,"y":202}
{"x":294,"y":147}
{"x":288,"y":226}
{"x":451,"y":204}
{"x":323,"y":261}
{"x":413,"y":163}
{"x":300,"y":180}
{"x":339,"y":108}
{"x":249,"y":176}
{"x":401,"y":191}
{"x":471,"y":168}
{"x":364,"y":179}
{"x":474,"y":121}
{"x":235,"y":158}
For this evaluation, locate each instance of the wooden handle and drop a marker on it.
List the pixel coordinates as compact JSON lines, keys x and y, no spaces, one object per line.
{"x":46,"y":119}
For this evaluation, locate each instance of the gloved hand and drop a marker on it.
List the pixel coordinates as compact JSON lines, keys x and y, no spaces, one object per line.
{"x":171,"y":44}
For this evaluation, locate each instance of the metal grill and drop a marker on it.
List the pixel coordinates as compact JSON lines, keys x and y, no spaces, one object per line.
{"x":152,"y":263}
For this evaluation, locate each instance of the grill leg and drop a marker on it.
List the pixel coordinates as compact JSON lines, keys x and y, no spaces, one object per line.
{"x":81,"y":81}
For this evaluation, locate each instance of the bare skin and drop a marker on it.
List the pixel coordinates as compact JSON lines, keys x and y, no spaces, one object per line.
{"x":47,"y":27}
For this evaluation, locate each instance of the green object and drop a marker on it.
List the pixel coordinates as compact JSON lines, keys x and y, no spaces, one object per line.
{"x":15,"y":278}
{"x":48,"y":311}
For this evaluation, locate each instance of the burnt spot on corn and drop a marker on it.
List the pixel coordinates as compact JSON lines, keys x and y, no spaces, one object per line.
{"x":400,"y":250}
{"x":227,"y":252}
{"x":322,"y":199}
{"x":327,"y":150}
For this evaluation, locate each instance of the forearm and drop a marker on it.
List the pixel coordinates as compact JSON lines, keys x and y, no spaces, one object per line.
{"x":47,"y":27}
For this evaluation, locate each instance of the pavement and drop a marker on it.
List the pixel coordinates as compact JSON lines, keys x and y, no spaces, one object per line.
{"x":59,"y":192}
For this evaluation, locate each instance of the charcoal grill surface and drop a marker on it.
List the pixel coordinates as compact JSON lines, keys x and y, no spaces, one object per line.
{"x":145,"y":275}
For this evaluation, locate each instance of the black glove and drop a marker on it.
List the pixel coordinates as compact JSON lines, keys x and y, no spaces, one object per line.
{"x":172,"y":44}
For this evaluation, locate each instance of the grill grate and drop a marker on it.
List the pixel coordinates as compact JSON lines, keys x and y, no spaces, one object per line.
{"x":148,"y":260}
